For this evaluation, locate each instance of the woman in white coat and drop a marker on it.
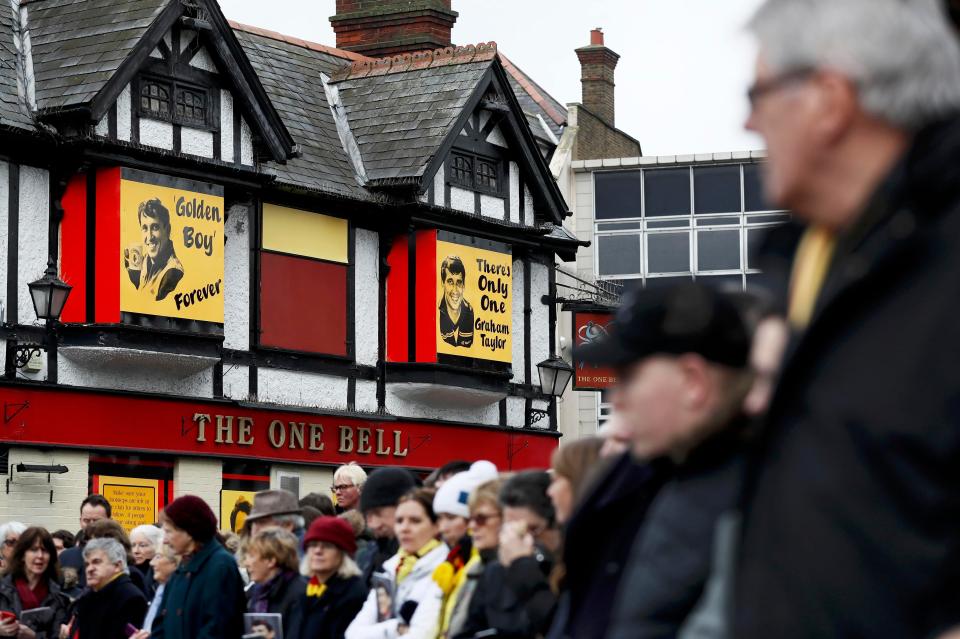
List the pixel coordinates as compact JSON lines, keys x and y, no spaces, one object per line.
{"x":405,"y":601}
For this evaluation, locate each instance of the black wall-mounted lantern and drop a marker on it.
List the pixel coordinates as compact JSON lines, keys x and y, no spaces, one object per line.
{"x":555,"y":374}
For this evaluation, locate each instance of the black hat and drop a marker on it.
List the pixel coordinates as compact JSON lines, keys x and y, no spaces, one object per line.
{"x":385,"y":487}
{"x":686,"y":318}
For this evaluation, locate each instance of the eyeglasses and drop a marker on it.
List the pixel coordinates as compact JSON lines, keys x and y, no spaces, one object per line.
{"x":339,"y":487}
{"x":481,"y":519}
{"x":762,"y":88}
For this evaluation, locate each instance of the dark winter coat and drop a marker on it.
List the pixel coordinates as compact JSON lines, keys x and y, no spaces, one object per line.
{"x":283,"y":596}
{"x":517,"y":601}
{"x":672,"y":555}
{"x":105,"y":613}
{"x":146,"y":572}
{"x":597,"y":542}
{"x":55,"y":599}
{"x":371,"y":558}
{"x":72,"y":559}
{"x":328,"y":616}
{"x":852,"y":515}
{"x":204,"y":598}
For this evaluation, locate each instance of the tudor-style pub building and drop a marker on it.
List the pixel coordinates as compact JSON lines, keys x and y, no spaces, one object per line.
{"x":282,"y":255}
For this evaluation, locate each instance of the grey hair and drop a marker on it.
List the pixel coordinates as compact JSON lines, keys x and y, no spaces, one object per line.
{"x":153,"y":534}
{"x":112,"y":548}
{"x":901,"y":54}
{"x":297,"y":520}
{"x":11,"y":527}
{"x":353,"y":472}
{"x":348,"y":567}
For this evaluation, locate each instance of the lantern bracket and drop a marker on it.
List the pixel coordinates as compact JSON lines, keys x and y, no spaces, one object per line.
{"x":26,"y":352}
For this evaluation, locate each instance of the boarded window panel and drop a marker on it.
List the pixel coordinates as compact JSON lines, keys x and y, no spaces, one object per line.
{"x":303,"y":305}
{"x":303,"y":233}
{"x":619,"y":194}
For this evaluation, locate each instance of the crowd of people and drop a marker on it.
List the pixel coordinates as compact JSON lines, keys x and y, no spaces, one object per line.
{"x":779,"y":464}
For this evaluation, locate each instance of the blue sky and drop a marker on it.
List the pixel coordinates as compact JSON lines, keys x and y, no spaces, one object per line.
{"x":683,"y":71}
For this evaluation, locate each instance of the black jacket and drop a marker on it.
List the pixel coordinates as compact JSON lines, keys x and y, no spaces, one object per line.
{"x":283,"y":597}
{"x":516,"y":602}
{"x":371,"y":558}
{"x":328,"y":616}
{"x":597,"y":543}
{"x":72,"y":559}
{"x":104,"y":614}
{"x":671,"y":557}
{"x":55,"y":599}
{"x":852,"y":515}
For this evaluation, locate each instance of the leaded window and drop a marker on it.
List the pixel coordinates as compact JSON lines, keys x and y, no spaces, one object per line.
{"x":170,"y":100}
{"x":487,"y":175}
{"x":461,"y":172}
{"x":155,"y":99}
{"x":191,"y":105}
{"x":475,"y":172}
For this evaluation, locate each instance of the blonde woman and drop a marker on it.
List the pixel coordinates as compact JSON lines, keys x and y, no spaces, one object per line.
{"x":271,"y":560}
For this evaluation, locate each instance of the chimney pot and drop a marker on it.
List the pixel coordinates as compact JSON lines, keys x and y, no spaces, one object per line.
{"x":596,"y":37}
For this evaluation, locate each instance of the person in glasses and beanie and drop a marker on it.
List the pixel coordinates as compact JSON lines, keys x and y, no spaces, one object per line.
{"x":378,"y":503}
{"x":335,"y":591}
{"x":270,"y":558}
{"x":204,"y":598}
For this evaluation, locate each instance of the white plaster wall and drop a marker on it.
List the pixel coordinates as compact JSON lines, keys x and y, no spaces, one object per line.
{"x":514,"y":193}
{"x":313,"y":479}
{"x":297,"y":388}
{"x":366,"y":396}
{"x":583,"y":223}
{"x":200,"y":477}
{"x":461,"y":199}
{"x":528,"y":216}
{"x":516,"y":412}
{"x":3,"y":354}
{"x":236,"y":300}
{"x":540,"y":318}
{"x":196,"y":142}
{"x":366,"y":296}
{"x":123,"y":114}
{"x":32,"y":249}
{"x":519,"y":367}
{"x":156,"y":54}
{"x":152,"y":378}
{"x":187,"y":36}
{"x":236,"y":381}
{"x":438,"y":186}
{"x":156,"y":133}
{"x":226,"y":125}
{"x":202,"y":60}
{"x":246,"y":143}
{"x":496,"y":137}
{"x":4,"y":238}
{"x":488,"y":415}
{"x":491,"y":206}
{"x":103,"y":127}
{"x":29,"y":498}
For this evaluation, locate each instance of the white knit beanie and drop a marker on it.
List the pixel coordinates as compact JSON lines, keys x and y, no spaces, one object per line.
{"x":453,"y":497}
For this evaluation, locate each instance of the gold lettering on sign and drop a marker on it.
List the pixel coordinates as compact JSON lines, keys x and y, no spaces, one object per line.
{"x":363,"y":441}
{"x":316,"y":437}
{"x":346,"y":440}
{"x":201,"y":419}
{"x":381,"y":451}
{"x":224,"y":429}
{"x":245,"y":424}
{"x":396,"y":445}
{"x":276,"y":434}
{"x":296,"y":434}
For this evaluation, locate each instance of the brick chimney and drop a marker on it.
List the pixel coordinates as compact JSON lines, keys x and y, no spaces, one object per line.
{"x":597,"y":64}
{"x":381,"y":28}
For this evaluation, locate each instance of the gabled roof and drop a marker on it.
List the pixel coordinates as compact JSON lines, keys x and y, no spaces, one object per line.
{"x":11,"y":109}
{"x":533,"y":99}
{"x":78,"y":45}
{"x":401,"y":110}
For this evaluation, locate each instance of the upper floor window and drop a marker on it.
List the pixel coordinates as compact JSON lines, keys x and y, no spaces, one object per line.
{"x":173,"y":101}
{"x":475,"y":172}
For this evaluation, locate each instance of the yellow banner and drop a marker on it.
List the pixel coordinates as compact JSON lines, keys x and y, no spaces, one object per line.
{"x":133,"y":500}
{"x":235,"y":505}
{"x":475,"y":302}
{"x":171,"y":247}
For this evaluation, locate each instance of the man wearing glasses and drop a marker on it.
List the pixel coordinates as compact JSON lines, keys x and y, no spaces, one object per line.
{"x":348,"y":481}
{"x":851,"y":522}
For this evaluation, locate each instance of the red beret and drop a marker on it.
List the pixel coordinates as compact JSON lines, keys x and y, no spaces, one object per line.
{"x":332,"y":530}
{"x":193,"y":516}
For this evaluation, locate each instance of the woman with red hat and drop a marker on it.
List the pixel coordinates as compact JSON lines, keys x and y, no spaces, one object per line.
{"x":336,"y":591}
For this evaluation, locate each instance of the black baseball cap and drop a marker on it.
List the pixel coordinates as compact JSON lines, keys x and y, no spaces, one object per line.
{"x":685,"y":318}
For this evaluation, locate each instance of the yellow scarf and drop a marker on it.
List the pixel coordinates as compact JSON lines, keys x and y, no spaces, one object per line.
{"x":315,"y":588}
{"x":409,"y":560}
{"x":809,"y":272}
{"x":451,"y":582}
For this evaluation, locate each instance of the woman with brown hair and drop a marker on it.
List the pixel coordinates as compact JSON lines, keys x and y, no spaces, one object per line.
{"x":573,"y":465}
{"x":31,"y":580}
{"x":415,"y":599}
{"x":271,"y":560}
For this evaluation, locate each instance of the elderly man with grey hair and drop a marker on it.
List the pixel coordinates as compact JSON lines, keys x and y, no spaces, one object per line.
{"x":112,"y":602}
{"x":851,"y":515}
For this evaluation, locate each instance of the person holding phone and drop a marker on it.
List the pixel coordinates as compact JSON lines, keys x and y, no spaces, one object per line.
{"x":31,"y":582}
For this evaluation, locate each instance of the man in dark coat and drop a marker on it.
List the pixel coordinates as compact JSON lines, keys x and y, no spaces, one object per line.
{"x":378,"y":503}
{"x":112,"y":603}
{"x":851,"y":519}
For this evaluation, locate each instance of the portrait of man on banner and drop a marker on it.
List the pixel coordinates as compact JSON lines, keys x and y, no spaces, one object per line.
{"x":456,"y":314}
{"x":152,"y":265}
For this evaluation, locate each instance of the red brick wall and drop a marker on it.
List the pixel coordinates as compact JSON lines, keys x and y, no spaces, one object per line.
{"x":388,"y":27}
{"x":597,"y":64}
